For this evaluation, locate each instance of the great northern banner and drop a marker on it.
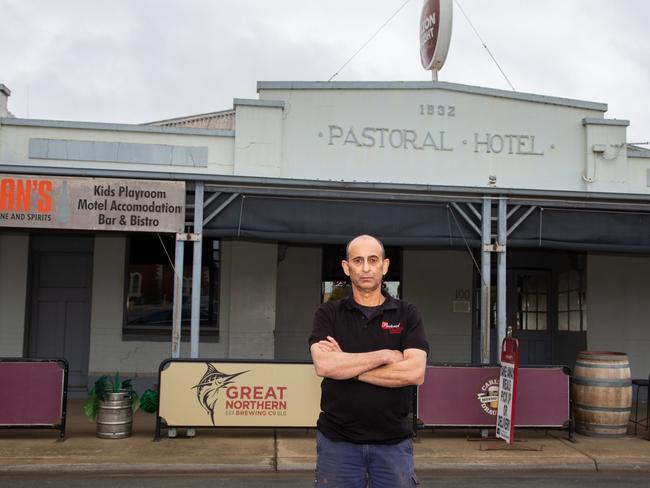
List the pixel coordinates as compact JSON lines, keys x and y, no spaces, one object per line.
{"x":234,"y":394}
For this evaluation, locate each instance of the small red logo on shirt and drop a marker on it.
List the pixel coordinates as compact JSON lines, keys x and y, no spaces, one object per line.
{"x":392,"y":328}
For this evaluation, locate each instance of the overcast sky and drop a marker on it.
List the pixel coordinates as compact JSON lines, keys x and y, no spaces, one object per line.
{"x":134,"y":61}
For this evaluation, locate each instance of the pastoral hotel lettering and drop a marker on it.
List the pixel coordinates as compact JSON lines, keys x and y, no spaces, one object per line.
{"x":384,"y":137}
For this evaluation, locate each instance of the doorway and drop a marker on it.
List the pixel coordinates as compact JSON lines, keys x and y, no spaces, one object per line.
{"x":545,"y":306}
{"x":59,"y":303}
{"x":528,"y":305}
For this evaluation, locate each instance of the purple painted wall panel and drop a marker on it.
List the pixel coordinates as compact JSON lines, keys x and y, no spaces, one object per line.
{"x":468,"y":395}
{"x":31,"y":393}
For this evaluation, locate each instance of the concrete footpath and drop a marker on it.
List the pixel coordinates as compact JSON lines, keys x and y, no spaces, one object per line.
{"x":268,"y":450}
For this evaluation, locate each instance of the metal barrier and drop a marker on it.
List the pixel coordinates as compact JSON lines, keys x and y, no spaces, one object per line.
{"x":467,"y":396}
{"x":34,"y":393}
{"x":229,"y":393}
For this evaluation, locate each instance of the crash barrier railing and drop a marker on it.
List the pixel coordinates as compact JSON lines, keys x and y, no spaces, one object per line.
{"x":34,"y":393}
{"x":238,"y":393}
{"x":467,"y":396}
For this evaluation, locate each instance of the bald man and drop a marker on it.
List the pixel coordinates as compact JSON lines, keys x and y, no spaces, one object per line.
{"x":369,"y":349}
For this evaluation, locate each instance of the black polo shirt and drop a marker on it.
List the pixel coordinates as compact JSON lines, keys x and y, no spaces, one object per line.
{"x":355,"y":411}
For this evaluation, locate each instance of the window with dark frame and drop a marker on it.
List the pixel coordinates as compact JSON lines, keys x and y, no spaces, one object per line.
{"x":150,"y":286}
{"x":571,"y":302}
{"x":532,"y":306}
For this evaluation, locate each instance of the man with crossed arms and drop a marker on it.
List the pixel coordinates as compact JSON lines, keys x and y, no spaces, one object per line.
{"x":369,"y":349}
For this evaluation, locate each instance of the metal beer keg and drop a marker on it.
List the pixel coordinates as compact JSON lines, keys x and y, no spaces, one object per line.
{"x":115,"y":416}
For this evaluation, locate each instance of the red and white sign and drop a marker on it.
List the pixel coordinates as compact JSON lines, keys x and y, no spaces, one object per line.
{"x":435,"y":32}
{"x":507,"y":390}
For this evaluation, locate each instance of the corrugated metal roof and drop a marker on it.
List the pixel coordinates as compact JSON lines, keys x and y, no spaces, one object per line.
{"x":224,"y":120}
{"x":634,"y":151}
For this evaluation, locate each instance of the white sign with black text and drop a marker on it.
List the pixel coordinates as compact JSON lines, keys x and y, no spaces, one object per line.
{"x":507,"y":391}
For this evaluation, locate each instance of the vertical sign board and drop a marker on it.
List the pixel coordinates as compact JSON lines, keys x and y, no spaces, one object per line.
{"x":507,"y":390}
{"x":56,"y":202}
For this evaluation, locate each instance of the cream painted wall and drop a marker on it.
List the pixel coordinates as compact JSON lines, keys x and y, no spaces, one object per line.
{"x":357,"y":134}
{"x":251,"y":281}
{"x":430,"y":281}
{"x":618,"y":307}
{"x":108,"y":352}
{"x":14,"y":148}
{"x":298,"y":296}
{"x":14,"y":258}
{"x":258,"y":141}
{"x":608,"y":170}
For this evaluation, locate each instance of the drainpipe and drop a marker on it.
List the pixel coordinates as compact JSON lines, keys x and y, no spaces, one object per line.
{"x":501,"y":274}
{"x":486,"y":229}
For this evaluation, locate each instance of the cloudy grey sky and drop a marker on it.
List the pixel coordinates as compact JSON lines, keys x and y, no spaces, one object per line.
{"x":135,"y":61}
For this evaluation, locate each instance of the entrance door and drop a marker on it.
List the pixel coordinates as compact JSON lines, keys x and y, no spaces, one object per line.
{"x":59,"y":322}
{"x":571,"y":334}
{"x":528,"y":310}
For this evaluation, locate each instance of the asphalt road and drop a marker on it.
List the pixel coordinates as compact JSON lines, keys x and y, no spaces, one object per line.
{"x":482,"y":480}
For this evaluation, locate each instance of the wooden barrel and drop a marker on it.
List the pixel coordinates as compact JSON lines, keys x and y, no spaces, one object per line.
{"x":114,"y":416}
{"x":602,"y":393}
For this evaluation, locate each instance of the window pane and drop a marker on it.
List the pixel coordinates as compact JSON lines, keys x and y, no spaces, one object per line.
{"x":573,"y":301}
{"x":335,"y":290}
{"x":563,"y":321}
{"x":574,"y":321}
{"x":149,"y":300}
{"x":541,"y":303}
{"x":563,"y":302}
{"x":541,"y":321}
{"x":150,"y":284}
{"x":393,"y":288}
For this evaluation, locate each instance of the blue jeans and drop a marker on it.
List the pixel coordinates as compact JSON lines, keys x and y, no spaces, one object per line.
{"x":342,"y":464}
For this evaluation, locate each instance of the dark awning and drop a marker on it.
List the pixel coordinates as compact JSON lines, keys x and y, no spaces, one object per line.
{"x":332,"y":221}
{"x":437,"y":223}
{"x":584,"y":230}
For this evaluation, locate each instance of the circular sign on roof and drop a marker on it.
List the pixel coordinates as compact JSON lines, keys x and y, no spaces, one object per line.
{"x":435,"y":32}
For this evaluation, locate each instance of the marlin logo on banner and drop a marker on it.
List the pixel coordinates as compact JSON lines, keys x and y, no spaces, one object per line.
{"x":207,"y":390}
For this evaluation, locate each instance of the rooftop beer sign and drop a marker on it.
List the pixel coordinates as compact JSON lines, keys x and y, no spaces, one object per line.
{"x":52,"y":202}
{"x":435,"y":33}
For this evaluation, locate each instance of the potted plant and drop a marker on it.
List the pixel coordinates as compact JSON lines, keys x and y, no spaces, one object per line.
{"x":149,"y":400}
{"x":111,"y":403}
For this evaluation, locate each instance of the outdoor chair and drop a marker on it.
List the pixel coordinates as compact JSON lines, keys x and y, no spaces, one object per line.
{"x":641,"y":383}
